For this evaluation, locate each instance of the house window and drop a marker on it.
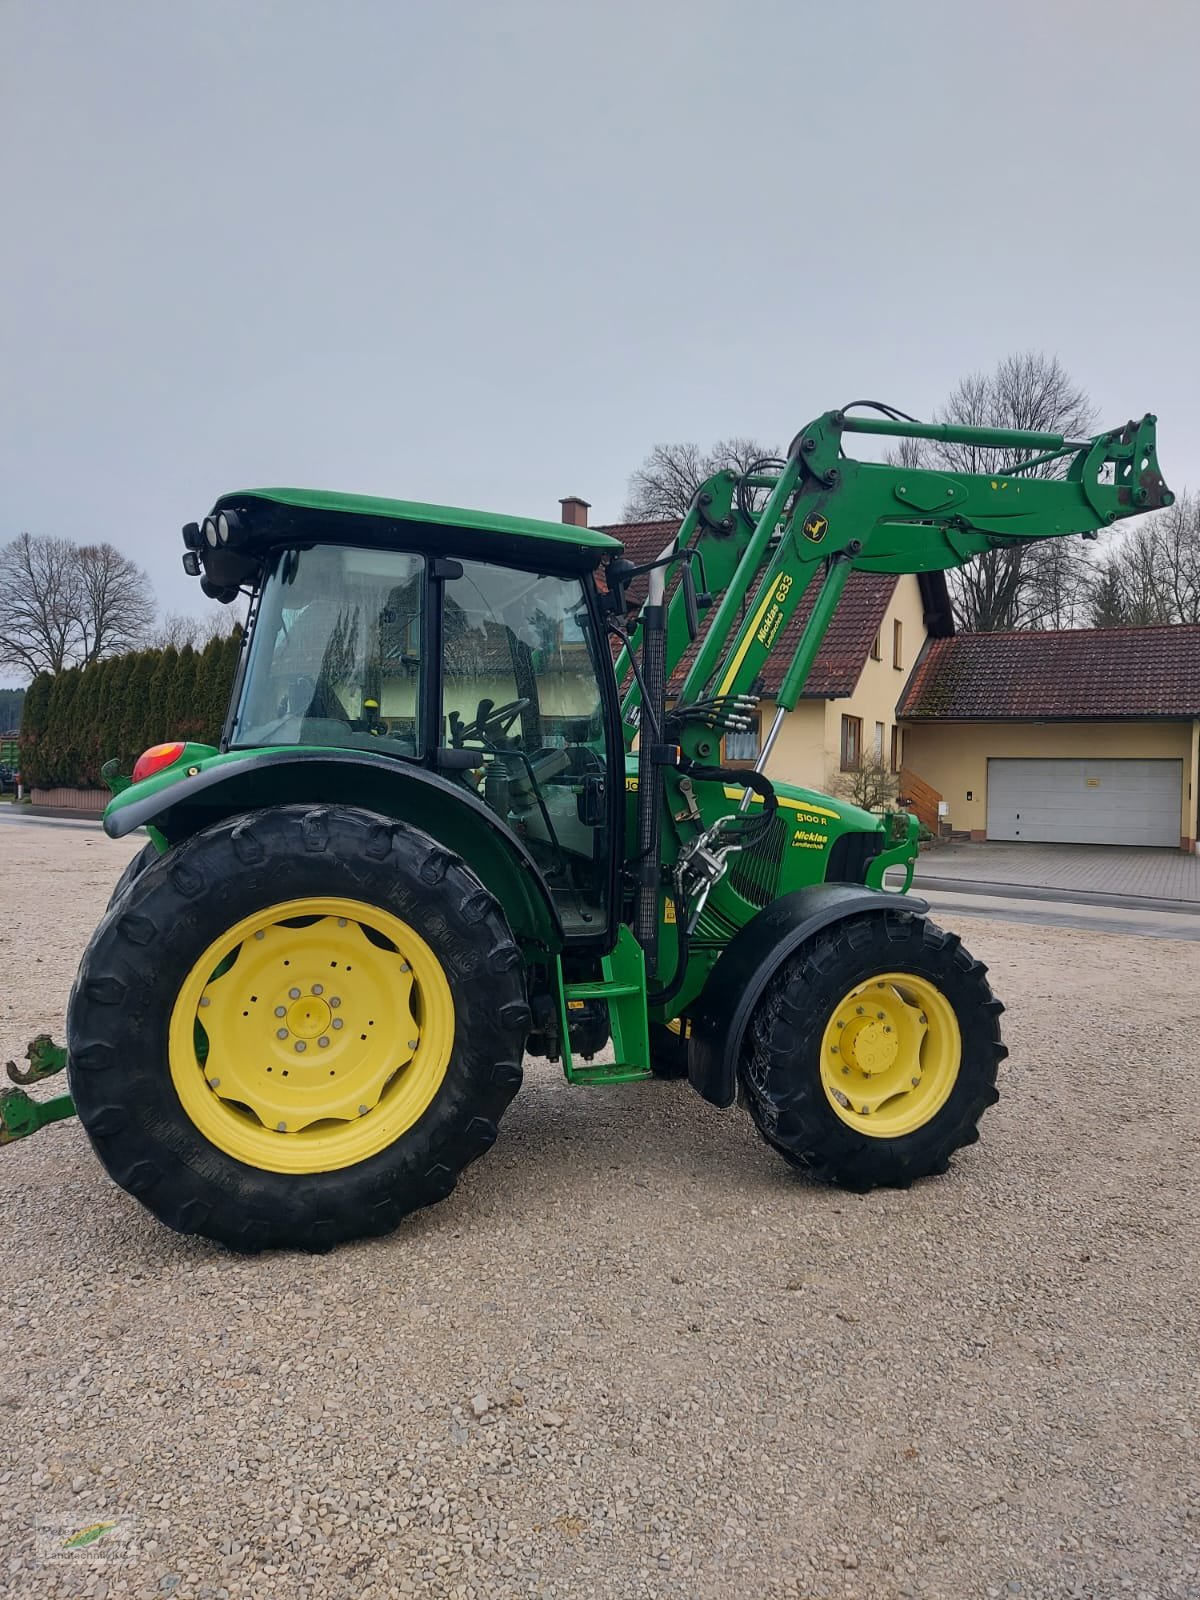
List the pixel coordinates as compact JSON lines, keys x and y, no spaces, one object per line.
{"x":897,"y":643}
{"x":877,"y":647}
{"x":851,"y":743}
{"x":897,"y":749}
{"x":879,"y":743}
{"x":743,"y":746}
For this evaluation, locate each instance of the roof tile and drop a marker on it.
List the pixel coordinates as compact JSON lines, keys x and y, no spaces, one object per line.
{"x":1081,"y":673}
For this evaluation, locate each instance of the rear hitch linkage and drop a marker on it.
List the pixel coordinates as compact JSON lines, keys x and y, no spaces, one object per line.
{"x":20,"y":1113}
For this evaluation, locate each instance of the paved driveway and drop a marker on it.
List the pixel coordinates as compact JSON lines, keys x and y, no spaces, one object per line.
{"x":1092,"y":868}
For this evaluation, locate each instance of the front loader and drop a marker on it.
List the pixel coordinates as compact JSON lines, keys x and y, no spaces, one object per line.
{"x":443,"y":829}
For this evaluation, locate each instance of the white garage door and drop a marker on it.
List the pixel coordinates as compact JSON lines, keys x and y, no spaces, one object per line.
{"x":1085,"y":802}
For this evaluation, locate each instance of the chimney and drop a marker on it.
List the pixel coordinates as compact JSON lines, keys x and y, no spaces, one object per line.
{"x":574,"y":511}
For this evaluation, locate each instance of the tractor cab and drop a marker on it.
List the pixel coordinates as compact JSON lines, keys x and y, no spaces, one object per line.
{"x":474,"y":652}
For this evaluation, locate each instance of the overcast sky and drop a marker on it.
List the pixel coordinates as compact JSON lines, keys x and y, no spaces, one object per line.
{"x":489,"y":254}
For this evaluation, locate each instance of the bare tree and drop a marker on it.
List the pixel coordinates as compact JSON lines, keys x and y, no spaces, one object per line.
{"x":116,"y":605}
{"x":62,"y":605}
{"x":1152,"y":574}
{"x":38,"y":604}
{"x":179,"y":628}
{"x":870,"y":784}
{"x":666,"y":482}
{"x":1106,"y":602}
{"x":1037,"y":585}
{"x":1178,"y":529}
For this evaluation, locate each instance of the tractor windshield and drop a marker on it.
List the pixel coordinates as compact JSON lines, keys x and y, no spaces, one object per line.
{"x":336,"y":653}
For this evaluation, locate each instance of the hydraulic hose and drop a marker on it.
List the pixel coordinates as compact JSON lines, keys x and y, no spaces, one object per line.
{"x":650,"y":780}
{"x":760,"y":784}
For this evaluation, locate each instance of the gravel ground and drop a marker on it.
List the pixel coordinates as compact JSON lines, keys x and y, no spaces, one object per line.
{"x":634,"y":1355}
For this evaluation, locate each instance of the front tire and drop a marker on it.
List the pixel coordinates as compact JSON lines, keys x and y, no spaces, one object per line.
{"x":296,"y":1027}
{"x":873,"y":1052}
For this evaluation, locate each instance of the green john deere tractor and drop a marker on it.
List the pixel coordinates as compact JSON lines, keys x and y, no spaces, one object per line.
{"x":443,"y":829}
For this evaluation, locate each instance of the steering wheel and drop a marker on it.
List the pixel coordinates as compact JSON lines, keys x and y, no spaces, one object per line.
{"x":488,"y":717}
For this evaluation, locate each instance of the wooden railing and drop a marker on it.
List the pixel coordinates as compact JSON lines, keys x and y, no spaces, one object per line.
{"x":917,"y":796}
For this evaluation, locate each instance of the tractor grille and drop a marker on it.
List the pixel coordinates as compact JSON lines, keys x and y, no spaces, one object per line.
{"x":851,"y":855}
{"x":755,"y":872}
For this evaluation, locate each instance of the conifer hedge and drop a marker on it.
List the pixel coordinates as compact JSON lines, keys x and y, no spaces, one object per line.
{"x":75,"y":721}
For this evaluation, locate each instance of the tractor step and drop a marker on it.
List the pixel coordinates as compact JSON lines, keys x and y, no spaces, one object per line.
{"x":622,"y":987}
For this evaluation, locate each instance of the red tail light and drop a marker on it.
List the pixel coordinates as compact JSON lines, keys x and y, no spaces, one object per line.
{"x":156,"y":758}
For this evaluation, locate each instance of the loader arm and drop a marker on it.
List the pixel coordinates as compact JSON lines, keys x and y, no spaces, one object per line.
{"x":827,"y":514}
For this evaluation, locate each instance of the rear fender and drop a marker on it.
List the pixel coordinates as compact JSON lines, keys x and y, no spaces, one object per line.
{"x":720,"y":1016}
{"x":254,"y":779}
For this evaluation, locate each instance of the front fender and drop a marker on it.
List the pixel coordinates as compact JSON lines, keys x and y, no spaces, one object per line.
{"x":720,"y":1016}
{"x":179,"y":803}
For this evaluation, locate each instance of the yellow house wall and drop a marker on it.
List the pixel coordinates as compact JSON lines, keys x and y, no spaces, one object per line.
{"x":799,"y":752}
{"x":880,"y":683}
{"x":808,"y":750}
{"x":952,"y":757}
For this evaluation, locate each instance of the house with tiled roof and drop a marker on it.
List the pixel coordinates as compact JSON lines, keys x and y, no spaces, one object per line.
{"x":1081,"y":736}
{"x":1088,"y":736}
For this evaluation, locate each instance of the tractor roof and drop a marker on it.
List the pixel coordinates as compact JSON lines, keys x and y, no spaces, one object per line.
{"x":278,"y":516}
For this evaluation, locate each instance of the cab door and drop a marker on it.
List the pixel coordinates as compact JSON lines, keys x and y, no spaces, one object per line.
{"x":522,"y":689}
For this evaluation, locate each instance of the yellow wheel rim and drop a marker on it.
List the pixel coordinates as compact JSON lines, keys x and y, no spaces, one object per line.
{"x":890,"y":1054}
{"x":311,"y":1035}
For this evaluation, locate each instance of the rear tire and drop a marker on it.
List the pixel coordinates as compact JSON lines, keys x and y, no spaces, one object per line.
{"x":143,"y":1068}
{"x":133,"y":870}
{"x":925,"y":1095}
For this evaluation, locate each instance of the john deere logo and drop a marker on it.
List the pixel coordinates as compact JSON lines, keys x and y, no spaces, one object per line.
{"x":815,"y":527}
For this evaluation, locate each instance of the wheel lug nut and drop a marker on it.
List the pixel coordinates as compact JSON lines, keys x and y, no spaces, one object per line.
{"x":322,"y":1041}
{"x":281,"y":1033}
{"x":362,"y":1110}
{"x":281,"y":1127}
{"x":337,"y":1022}
{"x":334,"y":1001}
{"x":879,"y":1014}
{"x":281,"y":1011}
{"x":412,"y":1043}
{"x":318,"y":988}
{"x":214,"y":1083}
{"x":293,"y":994}
{"x":301,"y":1047}
{"x":260,"y":934}
{"x":922,"y":1018}
{"x":205,"y":1001}
{"x":860,"y":1011}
